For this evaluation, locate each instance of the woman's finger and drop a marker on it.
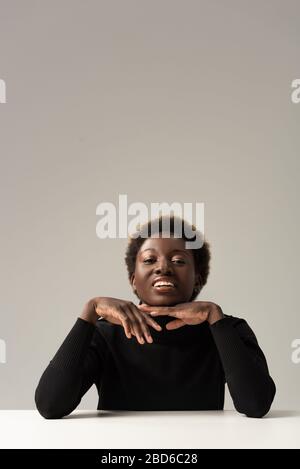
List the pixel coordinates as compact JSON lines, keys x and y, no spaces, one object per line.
{"x":151,"y":322}
{"x":142,"y":321}
{"x":135,"y":323}
{"x":176,"y":324}
{"x":125,"y":323}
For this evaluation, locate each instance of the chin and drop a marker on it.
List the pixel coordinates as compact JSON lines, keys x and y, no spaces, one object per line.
{"x":163,"y":301}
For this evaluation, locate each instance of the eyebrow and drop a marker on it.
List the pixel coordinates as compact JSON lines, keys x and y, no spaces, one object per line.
{"x":174,"y":250}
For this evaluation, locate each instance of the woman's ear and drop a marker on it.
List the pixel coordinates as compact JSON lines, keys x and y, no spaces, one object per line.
{"x":132,"y":281}
{"x":198,"y":284}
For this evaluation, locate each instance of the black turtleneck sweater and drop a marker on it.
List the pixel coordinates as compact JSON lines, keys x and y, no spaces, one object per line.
{"x":183,"y":369}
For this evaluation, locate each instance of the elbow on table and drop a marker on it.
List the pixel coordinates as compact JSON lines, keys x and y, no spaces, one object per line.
{"x":258,"y":408}
{"x":49,"y":412}
{"x":48,"y":409}
{"x":257,"y":413}
{"x":255,"y":410}
{"x":49,"y":415}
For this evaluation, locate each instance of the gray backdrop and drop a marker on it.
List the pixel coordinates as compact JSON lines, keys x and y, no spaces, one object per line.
{"x":162,"y":100}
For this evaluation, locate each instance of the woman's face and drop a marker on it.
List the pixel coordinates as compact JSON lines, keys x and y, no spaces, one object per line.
{"x":162,"y":260}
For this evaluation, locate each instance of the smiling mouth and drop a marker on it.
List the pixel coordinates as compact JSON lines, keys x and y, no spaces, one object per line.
{"x":165,"y":287}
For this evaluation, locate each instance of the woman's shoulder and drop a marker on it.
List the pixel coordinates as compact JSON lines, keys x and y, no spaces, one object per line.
{"x":240,"y":324}
{"x":233,"y":319}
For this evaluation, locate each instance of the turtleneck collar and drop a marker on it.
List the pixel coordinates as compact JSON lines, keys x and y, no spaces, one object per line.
{"x":184,"y":335}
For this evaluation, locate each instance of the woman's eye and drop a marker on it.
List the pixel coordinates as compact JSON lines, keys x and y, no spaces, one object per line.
{"x":150,"y":260}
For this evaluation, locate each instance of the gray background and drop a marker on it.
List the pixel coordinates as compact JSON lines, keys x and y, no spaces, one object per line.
{"x":186,"y":101}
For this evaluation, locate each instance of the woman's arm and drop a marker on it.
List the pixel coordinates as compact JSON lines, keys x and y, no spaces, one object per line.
{"x":246,"y":372}
{"x":77,"y":364}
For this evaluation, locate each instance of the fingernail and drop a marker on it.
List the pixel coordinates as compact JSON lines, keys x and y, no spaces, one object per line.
{"x":153,"y":313}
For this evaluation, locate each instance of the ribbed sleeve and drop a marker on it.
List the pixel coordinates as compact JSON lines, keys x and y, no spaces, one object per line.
{"x":74,"y":348}
{"x":246,"y":371}
{"x":77,"y":364}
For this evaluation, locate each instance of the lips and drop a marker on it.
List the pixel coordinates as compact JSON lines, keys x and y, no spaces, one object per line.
{"x":161,"y":282}
{"x":164,"y":285}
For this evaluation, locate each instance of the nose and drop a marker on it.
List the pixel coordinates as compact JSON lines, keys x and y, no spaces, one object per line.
{"x":163,"y":267}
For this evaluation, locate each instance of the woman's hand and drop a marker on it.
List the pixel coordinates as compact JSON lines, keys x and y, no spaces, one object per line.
{"x":121,"y":312}
{"x":192,"y":313}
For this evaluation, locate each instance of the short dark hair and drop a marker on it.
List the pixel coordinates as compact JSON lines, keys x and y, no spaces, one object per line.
{"x":201,"y":255}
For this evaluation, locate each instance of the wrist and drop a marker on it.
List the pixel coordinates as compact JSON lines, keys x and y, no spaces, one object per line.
{"x":215,"y":314}
{"x":89,"y":314}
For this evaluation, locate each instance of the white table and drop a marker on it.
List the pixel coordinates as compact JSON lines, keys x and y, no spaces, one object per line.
{"x":161,"y":430}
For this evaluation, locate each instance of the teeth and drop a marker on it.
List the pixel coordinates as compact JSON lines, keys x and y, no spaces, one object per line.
{"x":161,"y":284}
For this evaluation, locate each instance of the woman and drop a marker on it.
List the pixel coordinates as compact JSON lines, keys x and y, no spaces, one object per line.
{"x":180,"y":360}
